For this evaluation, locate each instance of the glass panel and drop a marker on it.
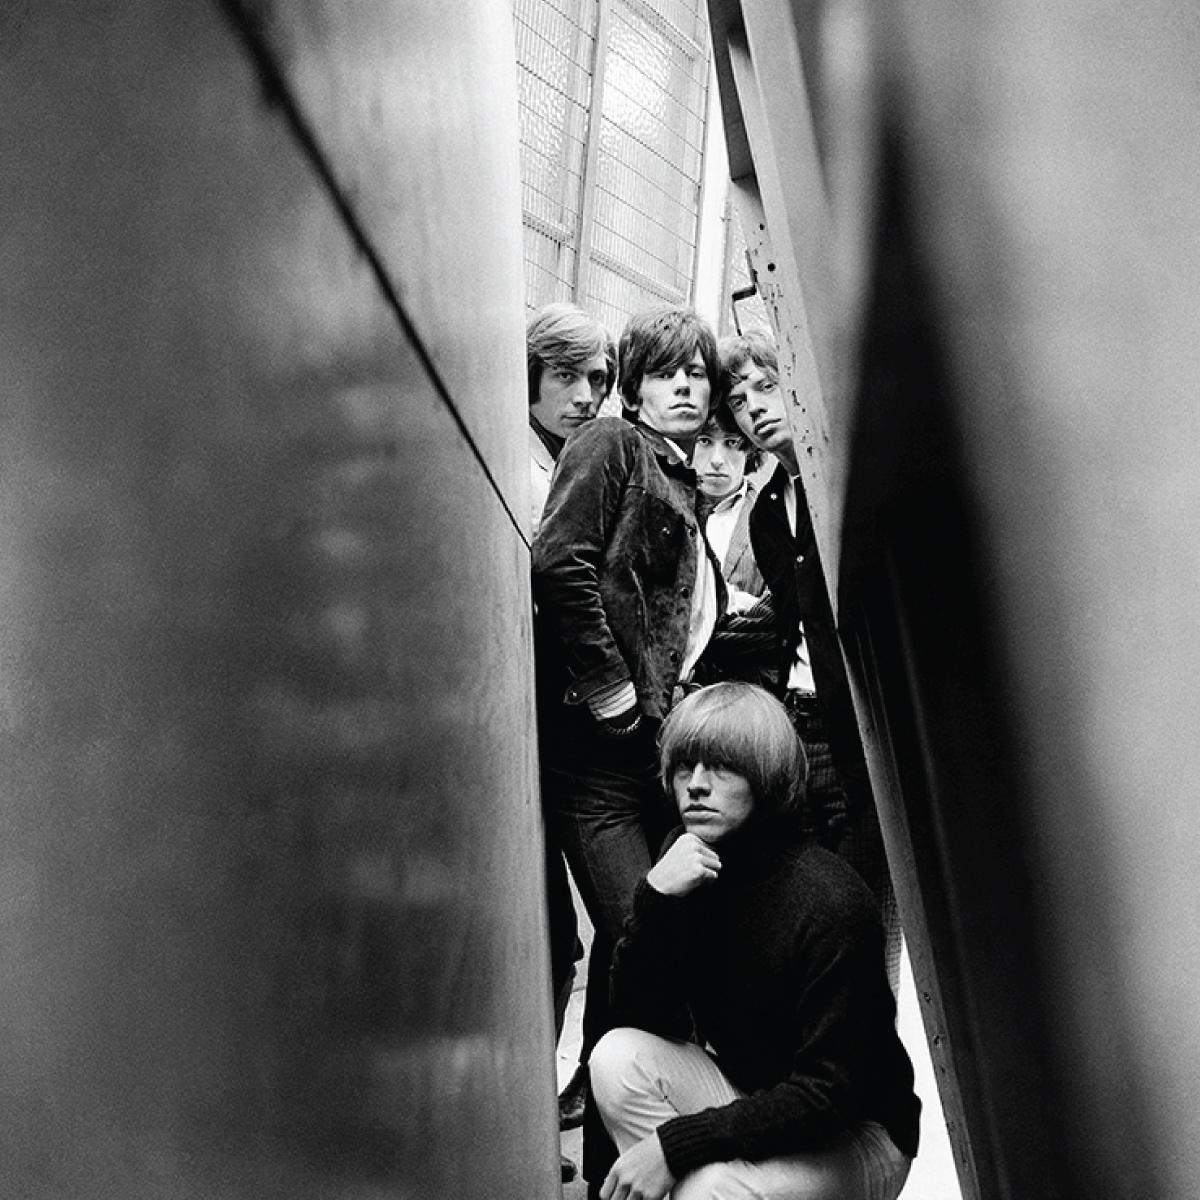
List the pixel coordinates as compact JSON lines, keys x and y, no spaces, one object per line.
{"x":650,"y":157}
{"x":555,"y":50}
{"x":645,"y":192}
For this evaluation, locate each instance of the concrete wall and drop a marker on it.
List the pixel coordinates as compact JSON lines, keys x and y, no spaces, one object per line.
{"x":1052,"y":164}
{"x":270,"y":906}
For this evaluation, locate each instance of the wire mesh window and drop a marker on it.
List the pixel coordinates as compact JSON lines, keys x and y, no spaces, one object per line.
{"x":555,"y":57}
{"x":612,"y":150}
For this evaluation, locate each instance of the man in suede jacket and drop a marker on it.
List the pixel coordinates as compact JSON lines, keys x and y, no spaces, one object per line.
{"x":627,"y":595}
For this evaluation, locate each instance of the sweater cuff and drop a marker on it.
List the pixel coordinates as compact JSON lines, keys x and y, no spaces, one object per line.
{"x":650,"y":903}
{"x":689,"y":1143}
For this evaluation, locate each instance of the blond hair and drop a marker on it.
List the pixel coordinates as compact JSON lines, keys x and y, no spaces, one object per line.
{"x":741,"y":727}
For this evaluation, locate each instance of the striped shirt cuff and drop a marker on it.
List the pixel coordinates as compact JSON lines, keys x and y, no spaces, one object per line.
{"x":612,"y":701}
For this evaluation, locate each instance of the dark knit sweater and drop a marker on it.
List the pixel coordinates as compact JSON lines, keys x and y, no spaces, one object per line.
{"x":778,"y":965}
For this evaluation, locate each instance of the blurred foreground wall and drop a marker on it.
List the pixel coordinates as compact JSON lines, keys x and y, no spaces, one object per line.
{"x":976,"y":230}
{"x":270,"y":881}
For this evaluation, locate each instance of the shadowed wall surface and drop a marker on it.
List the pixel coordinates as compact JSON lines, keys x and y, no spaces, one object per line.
{"x":974,"y":229}
{"x":270,"y":890}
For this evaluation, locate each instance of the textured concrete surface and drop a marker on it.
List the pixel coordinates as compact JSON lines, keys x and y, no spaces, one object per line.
{"x":270,"y":894}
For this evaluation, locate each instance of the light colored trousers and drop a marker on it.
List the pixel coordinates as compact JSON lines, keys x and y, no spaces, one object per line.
{"x":640,"y":1080}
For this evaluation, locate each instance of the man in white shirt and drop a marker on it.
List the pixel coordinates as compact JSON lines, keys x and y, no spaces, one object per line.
{"x":728,"y":470}
{"x":627,"y":596}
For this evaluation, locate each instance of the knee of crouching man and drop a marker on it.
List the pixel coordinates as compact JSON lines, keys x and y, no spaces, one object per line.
{"x":608,"y":1066}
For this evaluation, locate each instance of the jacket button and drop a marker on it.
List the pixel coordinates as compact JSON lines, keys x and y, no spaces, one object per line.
{"x":673,"y":656}
{"x":685,"y":592}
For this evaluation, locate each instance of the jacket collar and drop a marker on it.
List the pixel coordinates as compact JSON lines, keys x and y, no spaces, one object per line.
{"x":779,"y":477}
{"x":775,"y":489}
{"x":671,"y":457}
{"x":745,"y":491}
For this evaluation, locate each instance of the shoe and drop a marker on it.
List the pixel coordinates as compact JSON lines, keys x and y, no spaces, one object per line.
{"x":569,"y":1169}
{"x":572,"y":1099}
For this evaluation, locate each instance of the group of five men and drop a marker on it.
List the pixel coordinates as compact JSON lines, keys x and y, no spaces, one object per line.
{"x":661,"y":574}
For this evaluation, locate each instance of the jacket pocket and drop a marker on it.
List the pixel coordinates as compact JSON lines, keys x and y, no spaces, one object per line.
{"x":656,"y":540}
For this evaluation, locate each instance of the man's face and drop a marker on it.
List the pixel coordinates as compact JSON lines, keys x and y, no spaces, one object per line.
{"x":719,"y":460}
{"x":757,"y":405}
{"x":674,"y":400}
{"x":568,"y":396}
{"x":713,"y":801}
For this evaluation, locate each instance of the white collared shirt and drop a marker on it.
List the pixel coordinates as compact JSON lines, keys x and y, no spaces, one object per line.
{"x":704,"y":611}
{"x":703,"y":618}
{"x":541,"y":467}
{"x":723,"y":518}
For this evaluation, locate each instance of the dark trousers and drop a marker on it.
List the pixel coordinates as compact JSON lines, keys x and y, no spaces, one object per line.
{"x":608,"y":812}
{"x":839,"y":812}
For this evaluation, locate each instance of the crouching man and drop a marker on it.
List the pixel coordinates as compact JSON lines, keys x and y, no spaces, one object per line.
{"x":758,"y":1054}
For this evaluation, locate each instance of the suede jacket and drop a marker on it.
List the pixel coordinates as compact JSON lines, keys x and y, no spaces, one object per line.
{"x":614,"y":566}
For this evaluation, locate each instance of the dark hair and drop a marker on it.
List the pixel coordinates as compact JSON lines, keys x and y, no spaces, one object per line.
{"x":753,"y":346}
{"x":722,"y":420}
{"x":563,"y":335}
{"x":742,"y":727}
{"x":664,"y":338}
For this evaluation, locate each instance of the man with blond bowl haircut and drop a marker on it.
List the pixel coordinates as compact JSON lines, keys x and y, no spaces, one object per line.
{"x":756,"y":1051}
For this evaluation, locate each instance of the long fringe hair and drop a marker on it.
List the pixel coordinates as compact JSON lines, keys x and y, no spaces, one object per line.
{"x":744,"y":728}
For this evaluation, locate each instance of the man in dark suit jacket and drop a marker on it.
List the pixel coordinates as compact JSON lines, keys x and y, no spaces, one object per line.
{"x":840,"y":808}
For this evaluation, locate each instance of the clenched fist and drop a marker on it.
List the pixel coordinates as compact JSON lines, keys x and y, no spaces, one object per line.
{"x":687,"y":865}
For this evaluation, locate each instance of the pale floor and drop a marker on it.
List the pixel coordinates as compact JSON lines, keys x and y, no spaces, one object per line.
{"x":933,"y":1176}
